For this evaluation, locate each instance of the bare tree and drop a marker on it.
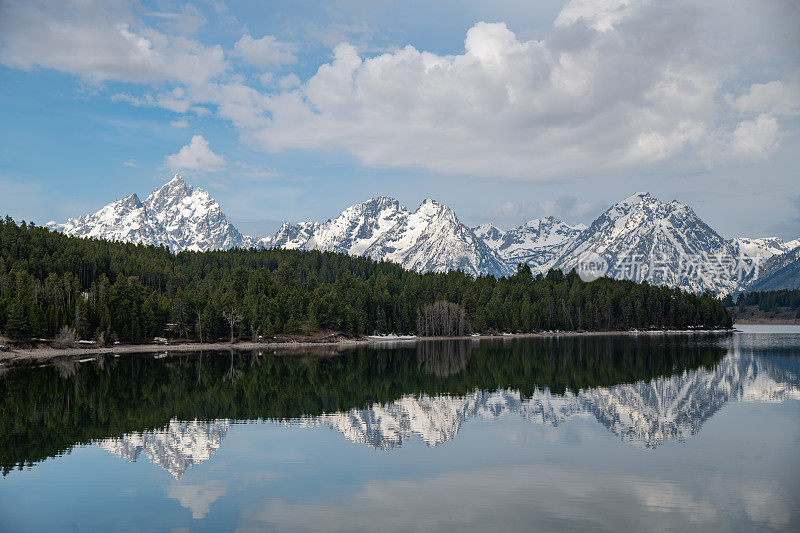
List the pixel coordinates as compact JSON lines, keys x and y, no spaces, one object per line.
{"x":233,"y":317}
{"x":442,"y":319}
{"x":65,"y":338}
{"x":255,"y":332}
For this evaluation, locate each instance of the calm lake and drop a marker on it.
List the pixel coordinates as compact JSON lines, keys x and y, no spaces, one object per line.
{"x":632,"y":433}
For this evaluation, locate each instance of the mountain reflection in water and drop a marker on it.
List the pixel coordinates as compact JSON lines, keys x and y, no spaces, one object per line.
{"x":177,"y":411}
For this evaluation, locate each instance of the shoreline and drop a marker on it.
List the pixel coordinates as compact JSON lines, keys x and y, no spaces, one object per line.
{"x":45,"y":355}
{"x":768,"y":322}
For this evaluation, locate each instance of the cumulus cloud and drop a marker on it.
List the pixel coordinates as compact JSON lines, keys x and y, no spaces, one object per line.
{"x":614,"y":84}
{"x":264,"y":52}
{"x":196,"y":156}
{"x":755,"y":139}
{"x":775,"y":97}
{"x":102,"y":40}
{"x":506,"y":107}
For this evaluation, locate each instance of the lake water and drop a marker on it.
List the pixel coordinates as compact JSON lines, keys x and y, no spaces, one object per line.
{"x":610,"y":432}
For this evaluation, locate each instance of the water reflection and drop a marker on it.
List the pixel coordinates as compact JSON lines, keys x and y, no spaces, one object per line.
{"x":177,"y":411}
{"x":175,"y":448}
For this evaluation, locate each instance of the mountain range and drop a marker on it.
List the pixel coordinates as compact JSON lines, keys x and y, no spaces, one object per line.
{"x":639,"y":238}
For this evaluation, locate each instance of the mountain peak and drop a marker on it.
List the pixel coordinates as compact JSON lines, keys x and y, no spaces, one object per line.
{"x":431,"y":206}
{"x":131,"y":201}
{"x":177,"y":183}
{"x":176,"y":215}
{"x":636,"y":198}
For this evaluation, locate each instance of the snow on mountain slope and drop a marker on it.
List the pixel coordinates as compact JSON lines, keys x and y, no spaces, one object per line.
{"x":175,"y":215}
{"x":122,"y":220}
{"x":289,"y":236}
{"x":539,"y":242}
{"x":430,"y":239}
{"x":359,"y":226}
{"x":765,"y":247}
{"x":779,"y":272}
{"x":642,"y":239}
{"x":490,"y":234}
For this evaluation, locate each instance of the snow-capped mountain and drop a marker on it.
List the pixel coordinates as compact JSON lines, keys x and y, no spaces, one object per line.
{"x":538,"y":243}
{"x":779,"y":272}
{"x":765,"y":247}
{"x":290,"y":236}
{"x":175,"y":215}
{"x":664,"y":243}
{"x":646,"y":414}
{"x":175,"y":448}
{"x":640,"y":238}
{"x":430,"y":239}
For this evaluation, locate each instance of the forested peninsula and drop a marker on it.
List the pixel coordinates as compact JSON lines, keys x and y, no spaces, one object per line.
{"x":54,"y":285}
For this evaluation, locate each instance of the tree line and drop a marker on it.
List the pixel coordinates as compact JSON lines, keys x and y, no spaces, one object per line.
{"x":767,"y":301}
{"x":112,"y":291}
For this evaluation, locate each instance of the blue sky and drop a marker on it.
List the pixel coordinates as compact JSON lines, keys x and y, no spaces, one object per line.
{"x":503,"y":110}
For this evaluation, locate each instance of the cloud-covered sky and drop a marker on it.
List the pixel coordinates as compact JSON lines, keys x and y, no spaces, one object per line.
{"x":504,"y":110}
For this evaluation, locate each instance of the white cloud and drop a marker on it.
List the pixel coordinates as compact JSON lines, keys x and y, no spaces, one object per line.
{"x":101,"y":40}
{"x":614,"y":84}
{"x":179,"y":123}
{"x":506,"y":107}
{"x":290,"y":81}
{"x":130,"y":163}
{"x":755,"y":139}
{"x":266,"y":79}
{"x":264,"y":52}
{"x":775,"y":97}
{"x":175,"y":100}
{"x":196,"y":156}
{"x":185,"y":22}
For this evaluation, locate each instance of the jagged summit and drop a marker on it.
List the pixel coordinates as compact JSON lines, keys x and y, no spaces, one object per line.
{"x":538,"y":242}
{"x":175,"y":215}
{"x":637,"y":197}
{"x":664,"y":243}
{"x":428,"y":239}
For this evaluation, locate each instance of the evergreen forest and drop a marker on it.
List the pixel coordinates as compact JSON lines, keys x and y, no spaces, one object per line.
{"x":120,"y":292}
